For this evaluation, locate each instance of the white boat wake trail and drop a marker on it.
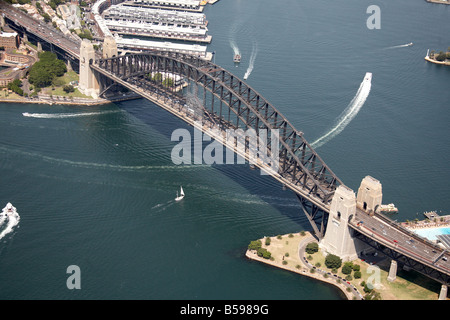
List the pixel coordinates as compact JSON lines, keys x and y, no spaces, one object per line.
{"x":64,"y":115}
{"x":234,"y":47}
{"x":347,"y":115}
{"x":400,"y":46}
{"x":252,"y":61}
{"x":7,"y":223}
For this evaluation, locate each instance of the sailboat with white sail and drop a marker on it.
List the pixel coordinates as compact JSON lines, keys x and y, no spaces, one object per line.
{"x":181,"y":196}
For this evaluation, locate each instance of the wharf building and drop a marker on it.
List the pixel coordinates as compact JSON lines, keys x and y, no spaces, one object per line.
{"x":138,"y":44}
{"x":157,"y":23}
{"x":143,"y":45}
{"x":183,"y":5}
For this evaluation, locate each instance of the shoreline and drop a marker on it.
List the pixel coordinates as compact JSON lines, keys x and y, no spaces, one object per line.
{"x":91,"y":102}
{"x":445,"y":63}
{"x":287,"y":252}
{"x":304,"y":269}
{"x":438,"y":1}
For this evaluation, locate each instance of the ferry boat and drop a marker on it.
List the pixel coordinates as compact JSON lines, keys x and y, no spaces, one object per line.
{"x":388,"y":208}
{"x":237,"y":58}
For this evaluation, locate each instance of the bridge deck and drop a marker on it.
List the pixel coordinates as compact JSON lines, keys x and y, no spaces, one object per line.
{"x":392,"y":235}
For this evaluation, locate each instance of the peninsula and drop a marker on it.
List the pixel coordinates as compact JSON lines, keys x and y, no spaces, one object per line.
{"x":292,"y":252}
{"x":442,"y":58}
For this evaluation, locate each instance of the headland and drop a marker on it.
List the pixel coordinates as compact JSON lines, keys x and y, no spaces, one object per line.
{"x":288,"y":252}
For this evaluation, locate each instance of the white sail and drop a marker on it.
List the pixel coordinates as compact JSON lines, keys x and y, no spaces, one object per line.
{"x":181,"y":196}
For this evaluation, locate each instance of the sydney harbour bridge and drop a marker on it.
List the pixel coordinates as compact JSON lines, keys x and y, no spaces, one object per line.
{"x":215,"y":101}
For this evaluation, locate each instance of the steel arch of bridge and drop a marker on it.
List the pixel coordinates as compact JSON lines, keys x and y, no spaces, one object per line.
{"x":233,"y":104}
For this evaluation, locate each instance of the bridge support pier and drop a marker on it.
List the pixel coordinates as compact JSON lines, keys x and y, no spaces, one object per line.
{"x":369,"y":195}
{"x":392,"y":271}
{"x":88,"y":83}
{"x":338,"y":239}
{"x":443,"y":293}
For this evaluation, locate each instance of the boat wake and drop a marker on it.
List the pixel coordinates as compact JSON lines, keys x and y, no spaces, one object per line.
{"x":234,"y":47}
{"x":349,"y":113}
{"x":252,"y":61}
{"x":162,"y":206}
{"x":8,"y":222}
{"x":65,"y":115}
{"x":401,"y":46}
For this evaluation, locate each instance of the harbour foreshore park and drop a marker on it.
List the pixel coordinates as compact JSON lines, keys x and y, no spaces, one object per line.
{"x":359,"y":270}
{"x":337,"y":258}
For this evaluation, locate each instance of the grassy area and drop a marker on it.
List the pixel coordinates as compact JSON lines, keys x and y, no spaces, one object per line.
{"x":408,"y":285}
{"x":60,"y":82}
{"x":9,"y":95}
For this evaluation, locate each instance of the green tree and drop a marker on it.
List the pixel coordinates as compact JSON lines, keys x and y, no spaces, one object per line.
{"x":262,"y":252}
{"x":255,"y":245}
{"x":332,"y":261}
{"x":346,"y":269}
{"x":43,"y":72}
{"x":312,"y":247}
{"x":441,"y":56}
{"x":68,"y":88}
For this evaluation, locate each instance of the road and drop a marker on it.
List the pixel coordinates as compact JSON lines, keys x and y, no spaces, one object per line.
{"x":404,"y":241}
{"x":41,"y":29}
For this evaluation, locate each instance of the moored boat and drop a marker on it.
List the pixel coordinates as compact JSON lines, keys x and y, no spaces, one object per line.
{"x":388,"y":208}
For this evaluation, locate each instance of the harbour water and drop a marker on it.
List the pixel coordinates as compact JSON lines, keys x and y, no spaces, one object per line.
{"x":95,"y":186}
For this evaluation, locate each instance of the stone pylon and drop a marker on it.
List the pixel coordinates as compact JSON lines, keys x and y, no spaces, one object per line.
{"x":370,"y":195}
{"x":88,"y":83}
{"x":109,"y":48}
{"x":338,"y":239}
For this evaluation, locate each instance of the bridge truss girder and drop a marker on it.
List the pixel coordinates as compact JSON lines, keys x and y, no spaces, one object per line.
{"x":404,"y":260}
{"x":229,"y":102}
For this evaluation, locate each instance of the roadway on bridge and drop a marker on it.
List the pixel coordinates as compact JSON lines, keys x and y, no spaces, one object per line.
{"x":41,"y":29}
{"x":401,"y":240}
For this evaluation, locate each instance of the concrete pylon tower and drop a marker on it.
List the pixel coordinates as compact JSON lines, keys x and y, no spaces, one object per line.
{"x":370,"y":195}
{"x":338,"y":238}
{"x":109,"y":48}
{"x":88,"y":83}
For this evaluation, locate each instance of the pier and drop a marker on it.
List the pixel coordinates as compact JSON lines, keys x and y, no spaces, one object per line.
{"x":157,"y":23}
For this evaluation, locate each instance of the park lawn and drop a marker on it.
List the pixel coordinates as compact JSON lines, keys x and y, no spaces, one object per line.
{"x":60,"y":92}
{"x":10,"y":95}
{"x":287,"y":244}
{"x":408,"y":285}
{"x":68,"y":77}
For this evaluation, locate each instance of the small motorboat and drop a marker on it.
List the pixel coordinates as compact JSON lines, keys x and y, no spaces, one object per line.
{"x":237,"y":58}
{"x":9,"y":209}
{"x":181,"y":196}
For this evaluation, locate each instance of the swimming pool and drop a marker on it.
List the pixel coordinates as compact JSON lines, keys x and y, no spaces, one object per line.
{"x":431,"y":233}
